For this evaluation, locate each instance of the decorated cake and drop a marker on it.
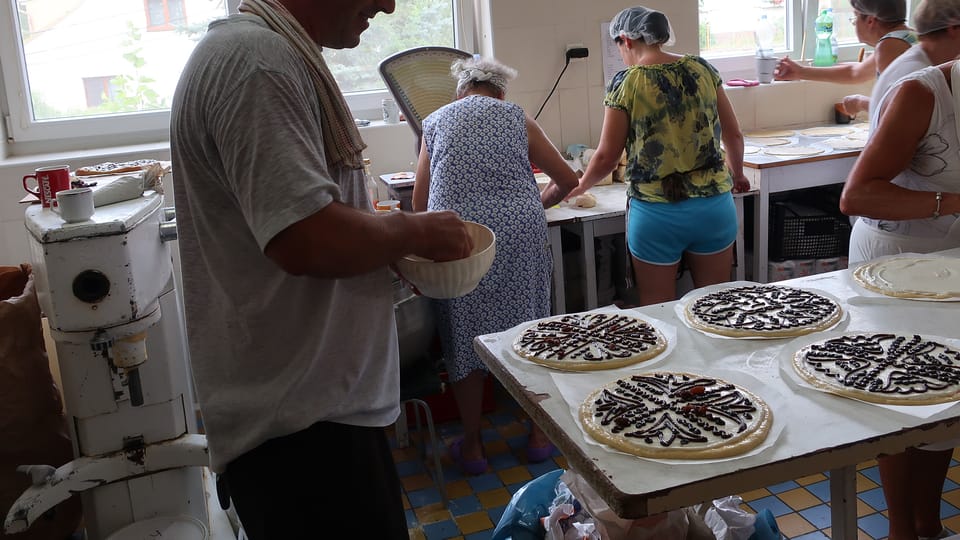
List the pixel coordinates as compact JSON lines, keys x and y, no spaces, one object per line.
{"x":896,"y":369}
{"x":762,"y":311}
{"x":589,"y":341}
{"x":674,"y":415}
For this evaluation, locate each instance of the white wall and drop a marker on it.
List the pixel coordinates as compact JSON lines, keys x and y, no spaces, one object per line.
{"x":531,"y":36}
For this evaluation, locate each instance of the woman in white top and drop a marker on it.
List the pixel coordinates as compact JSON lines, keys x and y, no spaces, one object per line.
{"x":906,"y":187}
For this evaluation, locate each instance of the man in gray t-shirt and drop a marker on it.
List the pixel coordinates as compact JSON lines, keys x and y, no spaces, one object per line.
{"x":287,"y":293}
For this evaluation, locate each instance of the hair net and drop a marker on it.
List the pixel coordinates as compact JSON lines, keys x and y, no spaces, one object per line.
{"x":891,"y":11}
{"x":931,"y":16}
{"x":481,"y":70}
{"x":640,"y":23}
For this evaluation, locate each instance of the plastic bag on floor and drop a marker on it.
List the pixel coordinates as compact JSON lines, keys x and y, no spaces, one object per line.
{"x":730,"y":522}
{"x":683,"y":524}
{"x":568,"y":520}
{"x":521,"y":519}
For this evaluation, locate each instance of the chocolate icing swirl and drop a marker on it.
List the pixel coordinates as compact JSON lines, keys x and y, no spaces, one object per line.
{"x":667,"y":408}
{"x":589,"y":336}
{"x":888,"y":364}
{"x":763,"y":308}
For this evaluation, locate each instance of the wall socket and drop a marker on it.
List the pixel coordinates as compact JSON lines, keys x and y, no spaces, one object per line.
{"x":576,"y":50}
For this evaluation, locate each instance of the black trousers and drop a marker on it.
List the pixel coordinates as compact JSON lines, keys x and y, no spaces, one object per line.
{"x":327,"y":481}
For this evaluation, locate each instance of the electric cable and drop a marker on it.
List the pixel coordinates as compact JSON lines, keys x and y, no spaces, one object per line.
{"x":552,"y":90}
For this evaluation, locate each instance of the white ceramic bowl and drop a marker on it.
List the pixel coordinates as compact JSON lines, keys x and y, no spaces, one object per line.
{"x":450,"y":279}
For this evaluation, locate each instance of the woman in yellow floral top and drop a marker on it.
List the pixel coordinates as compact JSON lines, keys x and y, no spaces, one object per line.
{"x":667,"y":111}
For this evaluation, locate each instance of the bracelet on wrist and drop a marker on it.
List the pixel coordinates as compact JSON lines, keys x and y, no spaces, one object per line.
{"x":936,"y":213}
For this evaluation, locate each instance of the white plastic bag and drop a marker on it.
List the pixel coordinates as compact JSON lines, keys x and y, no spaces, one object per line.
{"x":728,"y":521}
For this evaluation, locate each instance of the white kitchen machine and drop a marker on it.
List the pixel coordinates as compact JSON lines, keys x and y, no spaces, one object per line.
{"x":106,"y":287}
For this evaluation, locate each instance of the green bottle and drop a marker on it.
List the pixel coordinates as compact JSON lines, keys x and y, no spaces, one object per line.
{"x":824,"y":30}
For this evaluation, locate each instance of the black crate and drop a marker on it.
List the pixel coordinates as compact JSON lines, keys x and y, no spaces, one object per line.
{"x":803,"y":232}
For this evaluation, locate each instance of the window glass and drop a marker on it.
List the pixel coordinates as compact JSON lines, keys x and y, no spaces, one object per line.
{"x":62,"y":48}
{"x":416,"y":23}
{"x":727,"y":27}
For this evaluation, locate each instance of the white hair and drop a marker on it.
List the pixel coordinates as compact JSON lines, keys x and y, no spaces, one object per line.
{"x":479,"y":70}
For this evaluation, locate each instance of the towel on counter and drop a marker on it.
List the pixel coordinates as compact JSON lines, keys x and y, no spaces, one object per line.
{"x":129,"y":186}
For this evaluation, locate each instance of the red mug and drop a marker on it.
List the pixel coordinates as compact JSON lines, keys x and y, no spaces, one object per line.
{"x":49,"y":181}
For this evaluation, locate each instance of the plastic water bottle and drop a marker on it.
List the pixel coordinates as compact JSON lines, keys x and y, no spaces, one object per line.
{"x":834,"y":44}
{"x":824,"y":31}
{"x":764,"y":37}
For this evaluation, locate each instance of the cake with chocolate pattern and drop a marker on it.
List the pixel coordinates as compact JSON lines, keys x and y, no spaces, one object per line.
{"x":762,"y":311}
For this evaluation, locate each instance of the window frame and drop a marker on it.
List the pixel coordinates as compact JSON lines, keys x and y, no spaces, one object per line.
{"x":166,"y":26}
{"x":743,"y":65}
{"x":119,"y":129}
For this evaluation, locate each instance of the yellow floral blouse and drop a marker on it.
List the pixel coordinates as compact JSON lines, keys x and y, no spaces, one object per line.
{"x":674,"y":127}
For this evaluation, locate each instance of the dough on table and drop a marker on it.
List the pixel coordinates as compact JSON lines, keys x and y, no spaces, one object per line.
{"x":845,"y":143}
{"x":886,"y":368}
{"x":587,"y":200}
{"x":915,"y":278}
{"x":762,"y":311}
{"x":589,"y":341}
{"x":676,"y":415}
{"x":859,"y":135}
{"x":793,"y":151}
{"x":749,"y":149}
{"x":828,"y":131}
{"x":768,"y":133}
{"x":772,"y":141}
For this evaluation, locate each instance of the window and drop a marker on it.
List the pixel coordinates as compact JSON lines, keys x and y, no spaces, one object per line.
{"x":54,"y":60}
{"x":164,"y":14}
{"x":727,"y":30}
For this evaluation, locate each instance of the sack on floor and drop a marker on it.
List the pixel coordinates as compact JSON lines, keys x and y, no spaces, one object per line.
{"x":521,"y":519}
{"x":33,"y":428}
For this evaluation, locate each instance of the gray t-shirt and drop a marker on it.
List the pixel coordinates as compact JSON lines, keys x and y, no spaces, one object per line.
{"x":271,"y":353}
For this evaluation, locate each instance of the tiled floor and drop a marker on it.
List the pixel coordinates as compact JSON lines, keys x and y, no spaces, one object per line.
{"x":476,"y":502}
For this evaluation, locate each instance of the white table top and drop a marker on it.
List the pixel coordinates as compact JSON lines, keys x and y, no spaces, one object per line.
{"x":761,"y":160}
{"x":819,"y":431}
{"x":611,"y":202}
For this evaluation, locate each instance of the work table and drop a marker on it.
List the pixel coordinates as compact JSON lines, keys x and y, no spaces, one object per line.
{"x":817,"y":431}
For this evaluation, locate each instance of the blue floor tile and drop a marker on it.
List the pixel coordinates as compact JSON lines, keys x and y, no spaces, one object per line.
{"x":874,"y":497}
{"x":484,"y":482}
{"x":783,"y":486}
{"x":500,"y":462}
{"x":950,"y":485}
{"x":518,"y":442}
{"x":411,"y":518}
{"x":818,"y":516}
{"x":423,"y":497}
{"x":410,"y":468}
{"x":441,"y":529}
{"x":495,"y":513}
{"x":490,"y":434}
{"x":872,"y":473}
{"x":876,"y":525}
{"x":539,"y":469}
{"x":513,"y":488}
{"x":464,"y":505}
{"x":480,"y":535}
{"x":772,"y":503}
{"x":820,"y":490}
{"x":815,"y":535}
{"x":947,"y":510}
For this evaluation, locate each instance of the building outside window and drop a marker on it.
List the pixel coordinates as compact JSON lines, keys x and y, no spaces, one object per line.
{"x":58,"y":50}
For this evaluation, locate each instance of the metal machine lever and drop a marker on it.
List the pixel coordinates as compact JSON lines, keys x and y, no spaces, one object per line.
{"x":168,"y":224}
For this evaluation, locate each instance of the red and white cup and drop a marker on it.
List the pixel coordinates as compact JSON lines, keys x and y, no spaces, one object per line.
{"x":50,"y":180}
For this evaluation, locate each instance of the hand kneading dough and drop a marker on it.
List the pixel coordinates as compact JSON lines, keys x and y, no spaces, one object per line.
{"x":587,"y":200}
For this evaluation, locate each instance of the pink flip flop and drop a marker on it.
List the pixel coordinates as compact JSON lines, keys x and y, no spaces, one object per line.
{"x":472,"y":467}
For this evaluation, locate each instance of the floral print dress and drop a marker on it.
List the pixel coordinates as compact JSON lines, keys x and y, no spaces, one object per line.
{"x":479,"y":166}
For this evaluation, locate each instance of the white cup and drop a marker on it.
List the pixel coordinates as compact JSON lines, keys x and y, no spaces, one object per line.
{"x":388,"y":206}
{"x":391,"y":112}
{"x":765,"y":67}
{"x":74,"y":205}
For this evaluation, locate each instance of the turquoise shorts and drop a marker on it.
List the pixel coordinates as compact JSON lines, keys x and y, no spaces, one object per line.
{"x":660,"y":233}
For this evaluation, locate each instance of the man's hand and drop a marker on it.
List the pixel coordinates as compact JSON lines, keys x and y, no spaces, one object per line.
{"x":442,"y":236}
